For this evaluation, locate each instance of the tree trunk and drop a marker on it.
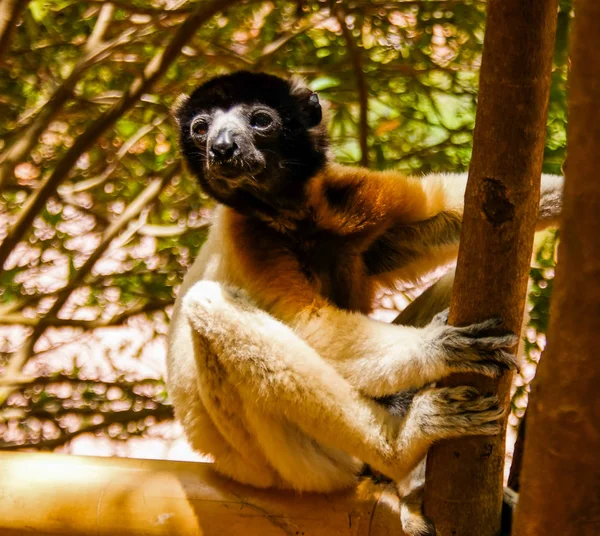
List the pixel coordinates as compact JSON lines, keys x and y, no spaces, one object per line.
{"x":463,"y":494}
{"x":560,"y":481}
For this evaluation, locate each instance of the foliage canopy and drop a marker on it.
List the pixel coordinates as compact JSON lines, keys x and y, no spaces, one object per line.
{"x":99,"y":219}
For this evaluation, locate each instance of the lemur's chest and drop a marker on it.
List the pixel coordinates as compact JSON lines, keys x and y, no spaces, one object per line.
{"x":330,"y":265}
{"x":336,"y":267}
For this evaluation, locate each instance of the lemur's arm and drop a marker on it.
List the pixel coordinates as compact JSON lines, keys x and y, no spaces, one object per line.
{"x":377,"y":358}
{"x":407,"y":250}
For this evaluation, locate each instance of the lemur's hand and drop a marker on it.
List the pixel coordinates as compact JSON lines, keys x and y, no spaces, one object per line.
{"x":474,"y":348}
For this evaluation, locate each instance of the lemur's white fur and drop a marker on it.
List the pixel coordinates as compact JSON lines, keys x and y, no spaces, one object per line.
{"x":291,"y":406}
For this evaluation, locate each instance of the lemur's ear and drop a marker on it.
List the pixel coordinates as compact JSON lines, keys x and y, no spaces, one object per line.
{"x":313,"y":109}
{"x":178,"y":106}
{"x":309,"y":102}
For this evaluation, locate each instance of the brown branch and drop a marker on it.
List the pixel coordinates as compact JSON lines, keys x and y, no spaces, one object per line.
{"x":132,"y":211}
{"x":439,"y":4}
{"x":301,"y":27}
{"x":102,"y":24}
{"x":361,"y":87}
{"x":514,"y":478}
{"x":153,"y":71}
{"x":161,"y":413}
{"x":67,"y":191}
{"x":42,"y":381}
{"x":10,"y":13}
{"x":18,"y":304}
{"x":54,"y":407}
{"x":94,"y":51}
{"x":23,"y":413}
{"x":150,"y":10}
{"x":151,"y":192}
{"x":21,"y":320}
{"x":226,"y":56}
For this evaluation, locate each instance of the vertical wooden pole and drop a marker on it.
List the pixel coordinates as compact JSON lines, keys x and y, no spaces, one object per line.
{"x":560,"y":482}
{"x":463,"y":495}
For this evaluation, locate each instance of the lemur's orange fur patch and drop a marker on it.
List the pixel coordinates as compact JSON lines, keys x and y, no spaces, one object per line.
{"x":322,"y":261}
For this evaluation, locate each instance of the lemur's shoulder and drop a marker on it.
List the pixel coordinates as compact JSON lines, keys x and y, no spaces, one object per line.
{"x":351,"y":199}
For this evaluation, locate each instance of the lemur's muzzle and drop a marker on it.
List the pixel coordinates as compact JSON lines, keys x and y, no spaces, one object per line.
{"x":223,"y":147}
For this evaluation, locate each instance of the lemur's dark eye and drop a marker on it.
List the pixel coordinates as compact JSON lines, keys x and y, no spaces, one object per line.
{"x":261,"y":120}
{"x":199,"y":127}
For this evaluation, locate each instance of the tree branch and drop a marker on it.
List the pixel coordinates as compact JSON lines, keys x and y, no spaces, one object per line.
{"x":514,"y":478}
{"x":102,"y":23}
{"x":561,"y":458}
{"x":21,"y":320}
{"x":155,"y":68}
{"x":42,"y":381}
{"x":151,"y":192}
{"x":361,"y":87}
{"x":10,"y":12}
{"x":67,"y":191}
{"x":463,"y":485}
{"x":301,"y":27}
{"x":161,"y":413}
{"x":150,"y":10}
{"x":94,"y":52}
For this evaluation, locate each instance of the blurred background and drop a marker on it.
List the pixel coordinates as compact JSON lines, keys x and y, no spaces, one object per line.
{"x":100,"y":220}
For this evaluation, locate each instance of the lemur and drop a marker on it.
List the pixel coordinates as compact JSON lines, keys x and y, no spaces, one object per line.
{"x":274,"y":368}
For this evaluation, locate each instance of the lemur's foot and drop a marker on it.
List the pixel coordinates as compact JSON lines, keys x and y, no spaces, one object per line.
{"x":447,"y":412}
{"x":414,"y":522}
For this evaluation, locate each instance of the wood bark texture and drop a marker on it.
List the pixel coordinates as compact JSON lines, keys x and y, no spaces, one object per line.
{"x":560,"y":482}
{"x":463,"y":495}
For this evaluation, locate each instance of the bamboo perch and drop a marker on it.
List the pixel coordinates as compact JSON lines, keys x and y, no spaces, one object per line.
{"x":53,"y":494}
{"x":463,"y":495}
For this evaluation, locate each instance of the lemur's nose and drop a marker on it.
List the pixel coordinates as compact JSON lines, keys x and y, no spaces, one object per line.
{"x":223,"y":146}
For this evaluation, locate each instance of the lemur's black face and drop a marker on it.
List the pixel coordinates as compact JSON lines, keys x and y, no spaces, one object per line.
{"x":236,"y":144}
{"x":253,"y":140}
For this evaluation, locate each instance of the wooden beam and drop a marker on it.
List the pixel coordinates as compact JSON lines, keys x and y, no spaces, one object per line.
{"x":54,"y":494}
{"x":560,"y":482}
{"x":463,"y":495}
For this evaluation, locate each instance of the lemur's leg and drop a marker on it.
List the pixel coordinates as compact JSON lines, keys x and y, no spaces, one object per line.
{"x":235,"y":454}
{"x":426,"y":306}
{"x":277,"y":374}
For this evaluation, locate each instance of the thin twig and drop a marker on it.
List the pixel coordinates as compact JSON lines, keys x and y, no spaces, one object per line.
{"x":361,"y":87}
{"x":151,"y":192}
{"x":154,"y":70}
{"x":161,"y":413}
{"x":92,"y":54}
{"x":16,"y":319}
{"x":10,"y":12}
{"x":150,"y":10}
{"x":67,"y":191}
{"x":301,"y":27}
